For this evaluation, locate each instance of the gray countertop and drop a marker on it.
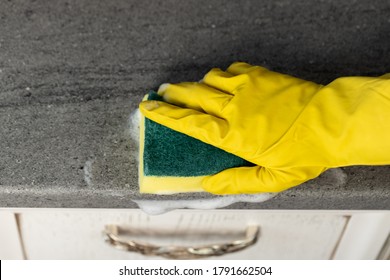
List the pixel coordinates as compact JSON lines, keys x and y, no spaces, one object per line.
{"x":71,"y":73}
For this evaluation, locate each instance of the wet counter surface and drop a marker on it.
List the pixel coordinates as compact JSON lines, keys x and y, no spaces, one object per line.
{"x":72,"y":72}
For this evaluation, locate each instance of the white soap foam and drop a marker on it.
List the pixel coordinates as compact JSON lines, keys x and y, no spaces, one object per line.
{"x":133,"y":125}
{"x":156,"y":207}
{"x":338,"y":175}
{"x":88,"y":175}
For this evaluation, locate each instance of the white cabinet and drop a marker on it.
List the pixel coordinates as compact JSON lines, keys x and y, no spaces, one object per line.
{"x":78,"y":234}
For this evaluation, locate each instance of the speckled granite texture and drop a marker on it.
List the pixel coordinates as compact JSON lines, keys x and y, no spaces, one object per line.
{"x":71,"y":72}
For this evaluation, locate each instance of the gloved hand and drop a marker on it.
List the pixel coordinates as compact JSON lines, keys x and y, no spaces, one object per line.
{"x":292,"y":129}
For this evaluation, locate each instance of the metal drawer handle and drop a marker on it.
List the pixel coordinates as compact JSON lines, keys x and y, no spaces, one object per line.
{"x":179,"y":252}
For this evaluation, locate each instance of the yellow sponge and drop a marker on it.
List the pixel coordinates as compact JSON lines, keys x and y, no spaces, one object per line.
{"x":171,"y":162}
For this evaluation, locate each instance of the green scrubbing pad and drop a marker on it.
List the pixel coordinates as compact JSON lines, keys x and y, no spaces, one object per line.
{"x":172,"y":162}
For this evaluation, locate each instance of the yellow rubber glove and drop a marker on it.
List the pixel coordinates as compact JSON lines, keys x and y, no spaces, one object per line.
{"x":292,"y":129}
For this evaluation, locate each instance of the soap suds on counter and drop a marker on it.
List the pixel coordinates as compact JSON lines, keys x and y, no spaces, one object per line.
{"x":88,"y":172}
{"x":156,"y":207}
{"x":133,"y":125}
{"x":339,"y":176}
{"x":133,"y":130}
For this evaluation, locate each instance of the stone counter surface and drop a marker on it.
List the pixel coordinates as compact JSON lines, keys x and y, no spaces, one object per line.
{"x":71,"y":73}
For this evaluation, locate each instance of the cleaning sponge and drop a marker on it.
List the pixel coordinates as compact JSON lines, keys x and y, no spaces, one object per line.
{"x":172,"y":162}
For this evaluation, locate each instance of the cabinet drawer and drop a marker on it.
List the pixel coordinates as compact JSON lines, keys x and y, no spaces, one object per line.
{"x":78,"y":234}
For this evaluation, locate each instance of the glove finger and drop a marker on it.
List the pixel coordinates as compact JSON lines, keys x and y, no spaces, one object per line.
{"x":205,"y":127}
{"x":385,"y":76}
{"x":196,"y":96}
{"x":224,"y":81}
{"x":258,"y":179}
{"x":238,"y":68}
